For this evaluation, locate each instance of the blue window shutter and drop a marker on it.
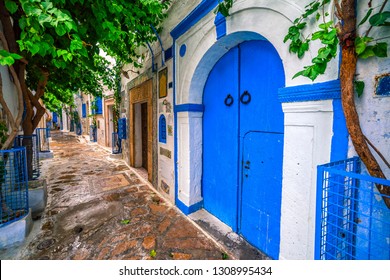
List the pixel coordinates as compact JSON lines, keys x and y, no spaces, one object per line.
{"x":84,"y":110}
{"x":99,"y":105}
{"x":162,"y":129}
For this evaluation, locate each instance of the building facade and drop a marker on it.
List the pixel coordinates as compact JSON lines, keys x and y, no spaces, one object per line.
{"x":218,"y":122}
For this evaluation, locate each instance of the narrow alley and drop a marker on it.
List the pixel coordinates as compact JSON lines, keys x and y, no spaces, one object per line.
{"x":98,"y":208}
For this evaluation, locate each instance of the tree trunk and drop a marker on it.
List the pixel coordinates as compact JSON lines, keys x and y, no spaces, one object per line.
{"x":347,"y":77}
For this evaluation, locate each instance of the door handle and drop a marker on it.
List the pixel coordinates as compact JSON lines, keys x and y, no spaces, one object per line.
{"x":245,"y":97}
{"x":229,"y":100}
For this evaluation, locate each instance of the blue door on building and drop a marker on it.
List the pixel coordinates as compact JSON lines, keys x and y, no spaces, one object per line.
{"x":243,"y":143}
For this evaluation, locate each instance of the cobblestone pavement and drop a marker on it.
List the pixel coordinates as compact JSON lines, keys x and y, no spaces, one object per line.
{"x":99,"y":209}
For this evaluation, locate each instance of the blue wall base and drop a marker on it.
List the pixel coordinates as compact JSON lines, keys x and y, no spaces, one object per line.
{"x":15,"y":232}
{"x":189,"y":209}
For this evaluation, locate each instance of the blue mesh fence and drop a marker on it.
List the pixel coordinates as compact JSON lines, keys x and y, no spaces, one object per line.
{"x":13,"y":185}
{"x":43,"y":140}
{"x":32,"y":154}
{"x":116,"y":143}
{"x":353,"y":221}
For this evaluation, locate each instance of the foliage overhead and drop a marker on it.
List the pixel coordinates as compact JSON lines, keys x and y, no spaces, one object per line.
{"x":66,"y":39}
{"x":328,"y":34}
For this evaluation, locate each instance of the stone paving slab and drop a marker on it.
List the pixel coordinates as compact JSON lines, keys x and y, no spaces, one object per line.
{"x":99,"y":209}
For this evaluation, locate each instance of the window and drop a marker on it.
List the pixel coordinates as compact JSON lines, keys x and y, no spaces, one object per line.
{"x":162,"y":129}
{"x":84,"y":110}
{"x":99,"y":106}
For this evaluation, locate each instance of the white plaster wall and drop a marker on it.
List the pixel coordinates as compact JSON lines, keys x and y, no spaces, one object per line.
{"x":65,"y":121}
{"x":176,"y":13}
{"x":9,"y":89}
{"x":308,"y":127}
{"x":374,"y":111}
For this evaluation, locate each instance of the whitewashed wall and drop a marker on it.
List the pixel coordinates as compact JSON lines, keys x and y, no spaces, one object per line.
{"x":177,"y":12}
{"x":308,"y":125}
{"x":9,"y":89}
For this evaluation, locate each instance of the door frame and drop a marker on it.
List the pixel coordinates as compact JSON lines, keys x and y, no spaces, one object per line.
{"x":108,"y":103}
{"x":142,"y":93}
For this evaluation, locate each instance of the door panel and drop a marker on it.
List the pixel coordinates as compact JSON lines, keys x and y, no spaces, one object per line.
{"x":261,"y":74}
{"x":261,"y":190}
{"x":220,"y":126}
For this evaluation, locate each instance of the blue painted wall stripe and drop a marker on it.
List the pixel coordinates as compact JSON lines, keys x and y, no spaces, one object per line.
{"x":189,"y":209}
{"x":195,"y":16}
{"x":220,"y":25}
{"x":339,"y":150}
{"x":189,"y":108}
{"x":319,"y":91}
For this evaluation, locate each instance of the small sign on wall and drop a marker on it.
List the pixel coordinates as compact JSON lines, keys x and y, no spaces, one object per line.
{"x":165,"y":187}
{"x":170,"y":130}
{"x":162,"y":83}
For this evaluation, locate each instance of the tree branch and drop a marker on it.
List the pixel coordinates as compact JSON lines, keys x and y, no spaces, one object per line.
{"x":339,"y":12}
{"x":377,"y":151}
{"x":18,"y":120}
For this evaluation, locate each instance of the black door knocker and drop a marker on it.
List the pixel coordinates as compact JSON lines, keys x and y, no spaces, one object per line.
{"x":245,"y":97}
{"x":229,"y":100}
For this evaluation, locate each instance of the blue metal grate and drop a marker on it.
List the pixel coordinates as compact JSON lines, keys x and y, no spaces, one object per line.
{"x":353,"y":222}
{"x":116,"y":143}
{"x":32,"y":153}
{"x":43,"y":139}
{"x":93,"y":133}
{"x":13,"y":185}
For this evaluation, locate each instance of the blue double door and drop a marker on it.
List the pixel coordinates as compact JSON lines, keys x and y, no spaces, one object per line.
{"x":243,"y":143}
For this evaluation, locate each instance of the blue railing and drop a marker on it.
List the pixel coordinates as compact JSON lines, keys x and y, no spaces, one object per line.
{"x":352,"y":222}
{"x":43,"y":139}
{"x":116,"y":143}
{"x":13,"y":185}
{"x":32,"y":153}
{"x":93,"y":133}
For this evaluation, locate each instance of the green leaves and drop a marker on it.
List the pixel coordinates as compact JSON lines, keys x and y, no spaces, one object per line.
{"x":11,"y":6}
{"x":7,"y":58}
{"x":364,"y":50}
{"x":369,"y":12}
{"x":153,"y":253}
{"x":224,"y":7}
{"x":125,"y":222}
{"x":380,"y":19}
{"x":359,"y":87}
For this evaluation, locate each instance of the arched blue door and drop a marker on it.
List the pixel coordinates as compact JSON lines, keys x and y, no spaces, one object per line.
{"x":243,"y":143}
